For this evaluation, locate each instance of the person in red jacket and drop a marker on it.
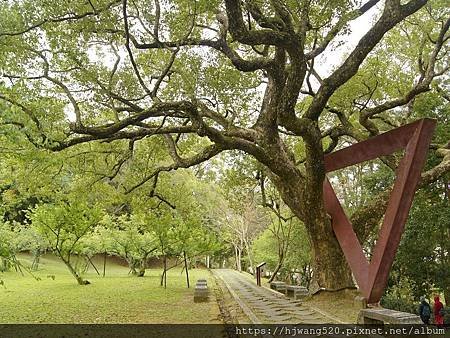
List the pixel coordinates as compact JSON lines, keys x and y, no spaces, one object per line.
{"x":438,"y":316}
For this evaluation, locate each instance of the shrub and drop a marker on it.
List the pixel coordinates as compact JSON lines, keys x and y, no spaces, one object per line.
{"x":399,"y":304}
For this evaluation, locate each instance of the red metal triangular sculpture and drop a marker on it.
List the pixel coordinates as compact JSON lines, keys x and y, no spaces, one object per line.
{"x":415,"y":138}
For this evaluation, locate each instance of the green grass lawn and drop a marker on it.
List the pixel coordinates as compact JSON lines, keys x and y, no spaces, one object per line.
{"x":117,"y":298}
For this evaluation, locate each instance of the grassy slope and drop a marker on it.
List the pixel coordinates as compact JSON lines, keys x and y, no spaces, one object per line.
{"x":117,"y":298}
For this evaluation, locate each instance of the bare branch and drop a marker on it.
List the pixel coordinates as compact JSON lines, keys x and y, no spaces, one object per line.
{"x":130,"y":53}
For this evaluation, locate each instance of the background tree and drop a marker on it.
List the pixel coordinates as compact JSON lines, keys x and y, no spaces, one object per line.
{"x":284,"y":246}
{"x":128,"y":238}
{"x":8,"y":247}
{"x":423,"y":256}
{"x":63,"y":225}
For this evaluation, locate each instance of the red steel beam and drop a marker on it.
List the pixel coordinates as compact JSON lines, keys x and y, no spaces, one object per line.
{"x":377,"y":146}
{"x":346,"y":237}
{"x":415,"y":137}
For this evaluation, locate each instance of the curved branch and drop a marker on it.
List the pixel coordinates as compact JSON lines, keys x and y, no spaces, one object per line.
{"x":69,"y":17}
{"x":421,"y":86}
{"x":345,"y":19}
{"x":130,"y":53}
{"x":393,"y":14}
{"x":241,"y":33}
{"x":206,"y":154}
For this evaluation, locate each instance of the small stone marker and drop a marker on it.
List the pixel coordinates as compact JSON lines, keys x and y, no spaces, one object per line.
{"x":201,"y":292}
{"x":278,"y":286}
{"x":296,"y":291}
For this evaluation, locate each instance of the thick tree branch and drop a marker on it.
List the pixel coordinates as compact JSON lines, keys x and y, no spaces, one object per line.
{"x":241,"y":33}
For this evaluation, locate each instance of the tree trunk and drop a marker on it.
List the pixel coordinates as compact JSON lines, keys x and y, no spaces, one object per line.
{"x":92,"y":263}
{"x":132,"y":266}
{"x":279,"y":265}
{"x":5,"y":265}
{"x":249,"y":254}
{"x":74,"y":273}
{"x":236,"y":258}
{"x":186,"y":267}
{"x":330,"y":269}
{"x":161,"y":282}
{"x":142,"y":267}
{"x":36,"y":259}
{"x":104,"y":264}
{"x":238,"y":254}
{"x":306,"y":276}
{"x":164,"y":274}
{"x":165,"y":271}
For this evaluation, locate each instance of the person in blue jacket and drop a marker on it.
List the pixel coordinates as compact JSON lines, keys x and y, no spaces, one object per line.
{"x":424,"y":310}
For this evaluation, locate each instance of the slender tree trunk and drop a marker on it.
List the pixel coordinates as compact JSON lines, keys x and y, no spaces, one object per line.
{"x":250,"y":259}
{"x":165,"y":271}
{"x":141,"y":272}
{"x":36,"y":259}
{"x":307,"y":275}
{"x":95,"y":268}
{"x":5,"y":265}
{"x":164,"y":274}
{"x":72,"y":270}
{"x":279,"y":265}
{"x":186,"y":267}
{"x":104,"y":264}
{"x":161,"y":282}
{"x":238,"y":258}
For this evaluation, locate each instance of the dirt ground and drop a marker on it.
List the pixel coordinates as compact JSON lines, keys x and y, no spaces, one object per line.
{"x":231,"y":312}
{"x":337,"y":304}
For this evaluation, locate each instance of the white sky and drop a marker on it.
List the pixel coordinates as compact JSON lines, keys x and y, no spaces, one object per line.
{"x":326,"y":62}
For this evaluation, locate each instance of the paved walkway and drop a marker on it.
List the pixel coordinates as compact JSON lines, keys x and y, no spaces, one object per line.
{"x":263,"y":306}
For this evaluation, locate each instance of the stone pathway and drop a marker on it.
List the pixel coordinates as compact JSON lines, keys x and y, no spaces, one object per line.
{"x":263,"y":306}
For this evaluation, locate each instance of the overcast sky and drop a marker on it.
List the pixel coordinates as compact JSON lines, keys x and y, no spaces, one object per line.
{"x":327,"y":61}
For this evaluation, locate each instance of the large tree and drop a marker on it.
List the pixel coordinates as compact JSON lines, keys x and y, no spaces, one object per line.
{"x":214,"y":76}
